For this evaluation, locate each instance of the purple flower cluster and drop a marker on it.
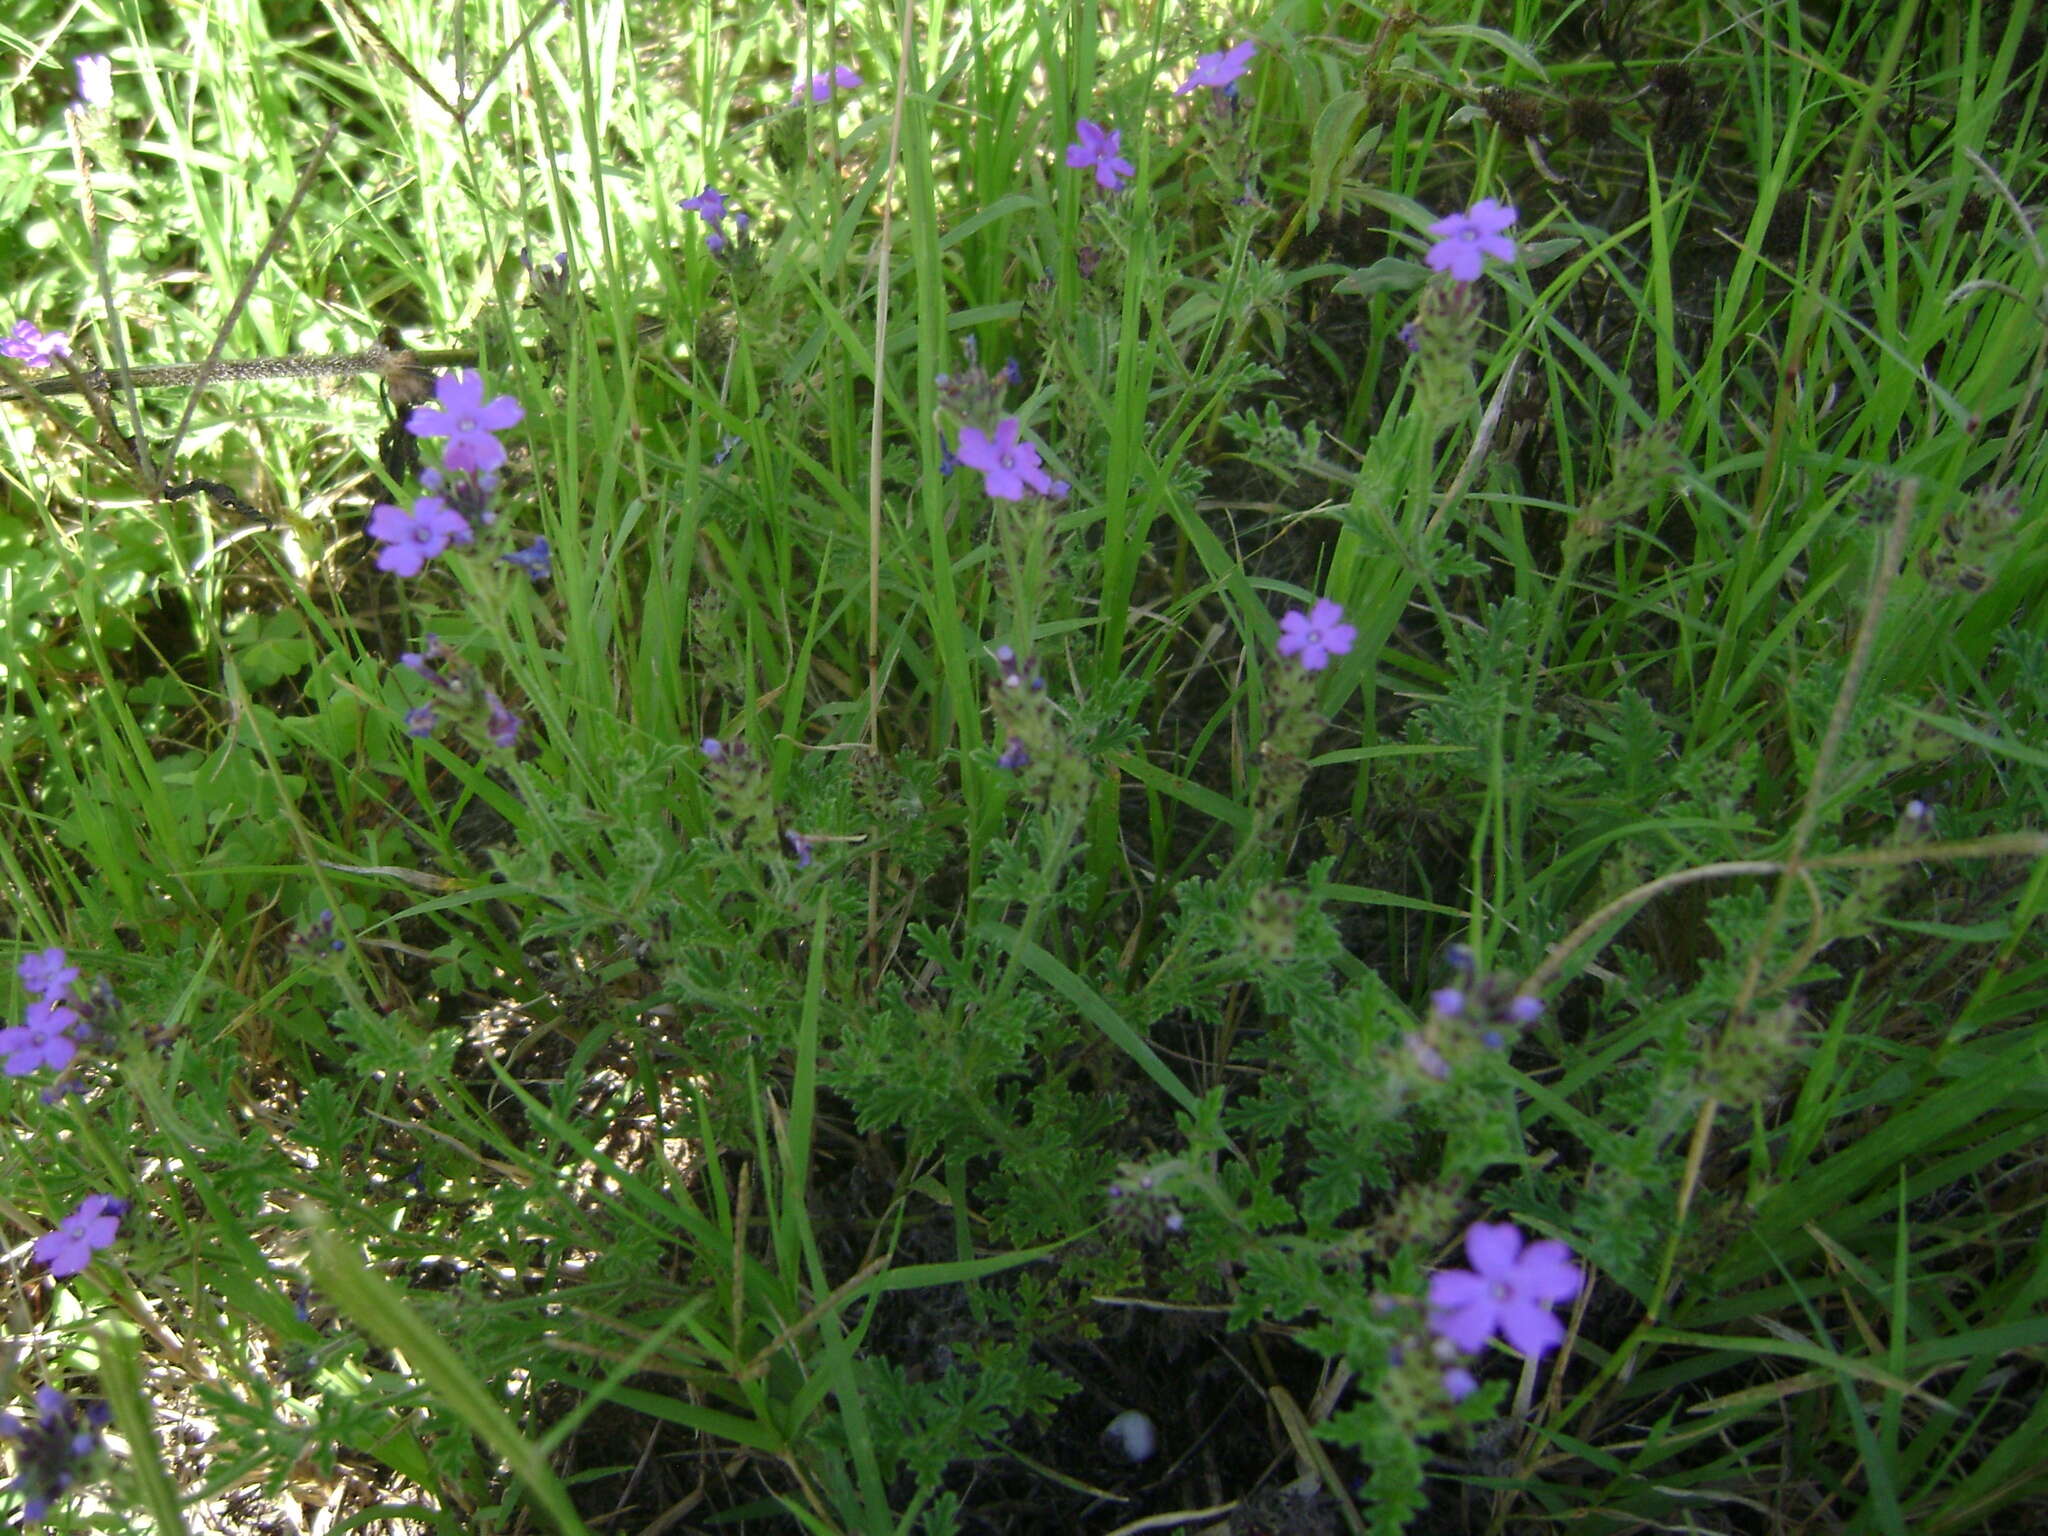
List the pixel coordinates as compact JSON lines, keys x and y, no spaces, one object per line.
{"x":54,"y":1025}
{"x":50,"y":1030}
{"x":1097,"y":147}
{"x":820,"y":86}
{"x":990,"y":439}
{"x":50,"y":1448}
{"x":470,"y":458}
{"x":1316,"y":636}
{"x":713,"y":207}
{"x":1465,"y":240}
{"x":1220,"y":71}
{"x":1510,"y":1290}
{"x":91,"y":1226}
{"x":38,"y":348}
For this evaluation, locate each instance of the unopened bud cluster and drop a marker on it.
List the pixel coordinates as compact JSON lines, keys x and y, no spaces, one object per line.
{"x":1032,"y":737}
{"x":458,"y":698}
{"x":1473,"y":1016}
{"x":1140,"y":1209}
{"x":1446,"y":341}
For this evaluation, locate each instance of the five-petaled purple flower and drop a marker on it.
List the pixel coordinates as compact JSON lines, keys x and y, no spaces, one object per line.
{"x":1008,"y":465}
{"x":28,"y":343}
{"x":50,"y":1448}
{"x":1465,"y":240}
{"x":466,"y":421}
{"x":1317,"y":635}
{"x":708,"y":205}
{"x":413,"y":538}
{"x":1509,"y":1290}
{"x":1097,"y":146}
{"x":47,"y":973}
{"x":93,"y":1226}
{"x":1219,"y":69}
{"x":40,"y":1040}
{"x":825,"y":81}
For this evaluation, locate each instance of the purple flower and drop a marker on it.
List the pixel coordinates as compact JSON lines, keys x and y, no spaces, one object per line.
{"x":95,"y":79}
{"x":413,"y":538}
{"x":708,"y":205}
{"x":420,"y":722}
{"x":40,"y":1040}
{"x":46,"y":973}
{"x":713,"y":748}
{"x":466,"y":421}
{"x":93,"y":1226}
{"x":1098,"y":147}
{"x":502,"y":726}
{"x":825,"y":81}
{"x":50,"y":1448}
{"x":1317,"y":635}
{"x":1509,"y":1289}
{"x":1014,"y":756}
{"x":1459,"y":1383}
{"x":1465,"y":240}
{"x":534,"y":560}
{"x":1525,"y":1009}
{"x":1219,"y":69}
{"x":1008,"y":466}
{"x":1448,"y":1001}
{"x":38,"y":348}
{"x":799,"y":849}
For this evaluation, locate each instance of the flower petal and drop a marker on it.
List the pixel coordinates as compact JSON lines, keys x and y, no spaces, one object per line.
{"x":1491,"y":1248}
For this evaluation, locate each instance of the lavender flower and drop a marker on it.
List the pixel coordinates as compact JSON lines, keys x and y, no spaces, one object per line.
{"x":93,"y":1226}
{"x":708,"y":205}
{"x":1465,"y":240}
{"x":712,"y":206}
{"x":95,"y":80}
{"x":1014,"y":756}
{"x":46,"y":973}
{"x":26,"y":343}
{"x":1317,"y":635}
{"x":1219,"y":69}
{"x":1008,"y":465}
{"x":466,"y":421}
{"x":823,"y":83}
{"x":413,"y":538}
{"x":420,"y":722}
{"x":713,"y":748}
{"x":40,"y":1040}
{"x":1510,"y":1289}
{"x":799,"y":848}
{"x":51,"y":1448}
{"x":1096,"y":146}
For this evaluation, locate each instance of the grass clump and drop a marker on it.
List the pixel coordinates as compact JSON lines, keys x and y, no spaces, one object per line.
{"x":1025,"y":770}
